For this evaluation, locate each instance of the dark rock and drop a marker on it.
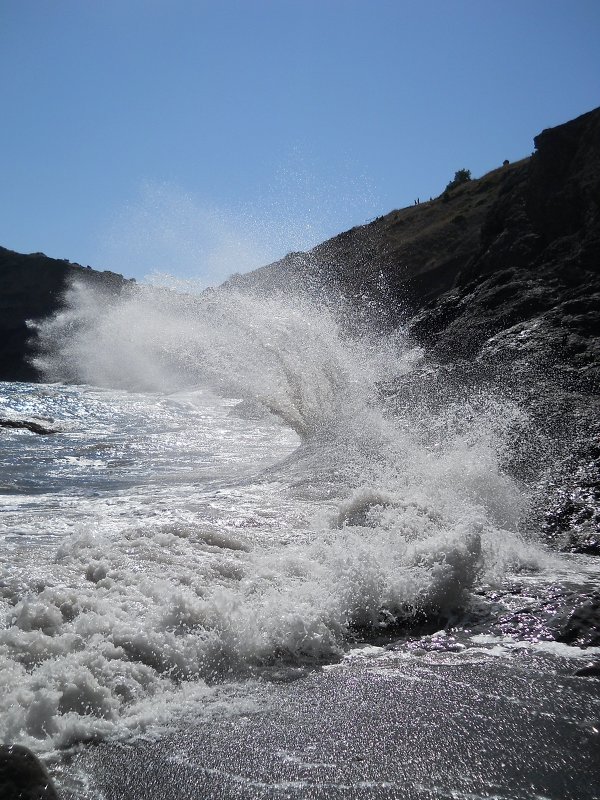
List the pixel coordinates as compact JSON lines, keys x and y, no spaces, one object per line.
{"x":501,"y":273}
{"x":591,"y":670}
{"x":32,"y":425}
{"x":580,"y":625}
{"x":23,"y":776}
{"x":572,"y":512}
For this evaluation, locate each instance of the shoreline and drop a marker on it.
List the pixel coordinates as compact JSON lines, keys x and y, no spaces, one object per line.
{"x":485,"y":721}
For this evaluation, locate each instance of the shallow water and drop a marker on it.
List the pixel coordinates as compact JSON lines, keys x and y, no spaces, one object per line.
{"x":226,"y":504}
{"x":456,"y":717}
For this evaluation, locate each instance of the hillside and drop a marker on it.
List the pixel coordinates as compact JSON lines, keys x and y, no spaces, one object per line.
{"x":499,"y":280}
{"x":31,"y":288}
{"x":485,"y":259}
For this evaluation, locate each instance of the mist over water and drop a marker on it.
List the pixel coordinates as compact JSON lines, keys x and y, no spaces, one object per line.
{"x":275,"y":509}
{"x":285,"y":353}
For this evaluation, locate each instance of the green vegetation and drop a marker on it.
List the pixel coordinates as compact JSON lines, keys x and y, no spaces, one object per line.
{"x":460,"y":176}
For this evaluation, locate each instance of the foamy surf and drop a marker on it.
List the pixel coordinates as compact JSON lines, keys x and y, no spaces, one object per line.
{"x":192,"y":545}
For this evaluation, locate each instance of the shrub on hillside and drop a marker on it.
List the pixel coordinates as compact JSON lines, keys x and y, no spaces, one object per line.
{"x":460,"y":176}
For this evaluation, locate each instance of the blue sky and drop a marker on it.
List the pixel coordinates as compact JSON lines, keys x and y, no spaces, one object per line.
{"x":204,"y":138}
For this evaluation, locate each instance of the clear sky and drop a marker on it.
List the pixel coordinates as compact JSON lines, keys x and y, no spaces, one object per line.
{"x":203,"y":138}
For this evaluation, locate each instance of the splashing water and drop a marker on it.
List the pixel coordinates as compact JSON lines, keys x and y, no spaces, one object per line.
{"x":281,"y":352}
{"x":278,"y":547}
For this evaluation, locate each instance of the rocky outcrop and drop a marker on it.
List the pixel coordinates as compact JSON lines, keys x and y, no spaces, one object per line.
{"x":580,"y":623}
{"x":39,"y":426}
{"x":499,"y":279}
{"x":534,"y":285}
{"x":510,"y":261}
{"x":31,"y":288}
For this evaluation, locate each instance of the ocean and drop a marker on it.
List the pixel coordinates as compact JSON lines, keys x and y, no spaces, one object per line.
{"x":237,"y":568}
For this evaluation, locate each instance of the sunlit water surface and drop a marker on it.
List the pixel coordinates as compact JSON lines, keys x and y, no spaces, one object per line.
{"x":226,"y":499}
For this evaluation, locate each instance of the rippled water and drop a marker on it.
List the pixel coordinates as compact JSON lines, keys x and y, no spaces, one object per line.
{"x":226,"y":499}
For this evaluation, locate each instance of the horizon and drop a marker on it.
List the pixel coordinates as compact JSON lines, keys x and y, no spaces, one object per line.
{"x":197,"y":141}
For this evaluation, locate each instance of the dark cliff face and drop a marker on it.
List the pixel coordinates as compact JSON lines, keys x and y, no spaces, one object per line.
{"x":538,"y":262}
{"x":509,"y":261}
{"x":499,"y":280}
{"x":31,"y":288}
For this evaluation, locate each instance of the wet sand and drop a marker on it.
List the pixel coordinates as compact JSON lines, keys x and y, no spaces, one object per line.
{"x":482,"y":723}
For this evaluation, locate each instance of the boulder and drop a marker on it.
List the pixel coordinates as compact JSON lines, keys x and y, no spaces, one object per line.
{"x":23,"y":776}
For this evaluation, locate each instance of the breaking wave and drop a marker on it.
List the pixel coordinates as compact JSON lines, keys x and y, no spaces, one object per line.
{"x":380,"y":517}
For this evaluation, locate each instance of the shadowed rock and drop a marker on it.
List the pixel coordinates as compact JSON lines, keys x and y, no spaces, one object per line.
{"x":32,"y":425}
{"x":31,"y":288}
{"x":23,"y":776}
{"x":591,"y":670}
{"x":580,"y":625}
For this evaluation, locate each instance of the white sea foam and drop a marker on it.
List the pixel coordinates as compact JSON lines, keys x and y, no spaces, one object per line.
{"x":152,"y":599}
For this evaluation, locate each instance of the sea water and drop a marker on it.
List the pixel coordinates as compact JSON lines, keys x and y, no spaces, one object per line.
{"x":227,"y":495}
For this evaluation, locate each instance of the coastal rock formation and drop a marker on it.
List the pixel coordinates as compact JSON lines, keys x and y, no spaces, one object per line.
{"x":580,"y":625}
{"x":498,"y":279}
{"x":41,"y":427}
{"x":508,"y":262}
{"x":31,"y":288}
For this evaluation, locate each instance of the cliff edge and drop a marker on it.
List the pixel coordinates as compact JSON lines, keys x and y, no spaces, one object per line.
{"x":499,"y":280}
{"x":511,"y":259}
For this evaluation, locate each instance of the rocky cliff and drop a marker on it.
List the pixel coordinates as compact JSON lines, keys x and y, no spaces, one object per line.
{"x":512,"y":256}
{"x":31,"y":288}
{"x":499,"y":279}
